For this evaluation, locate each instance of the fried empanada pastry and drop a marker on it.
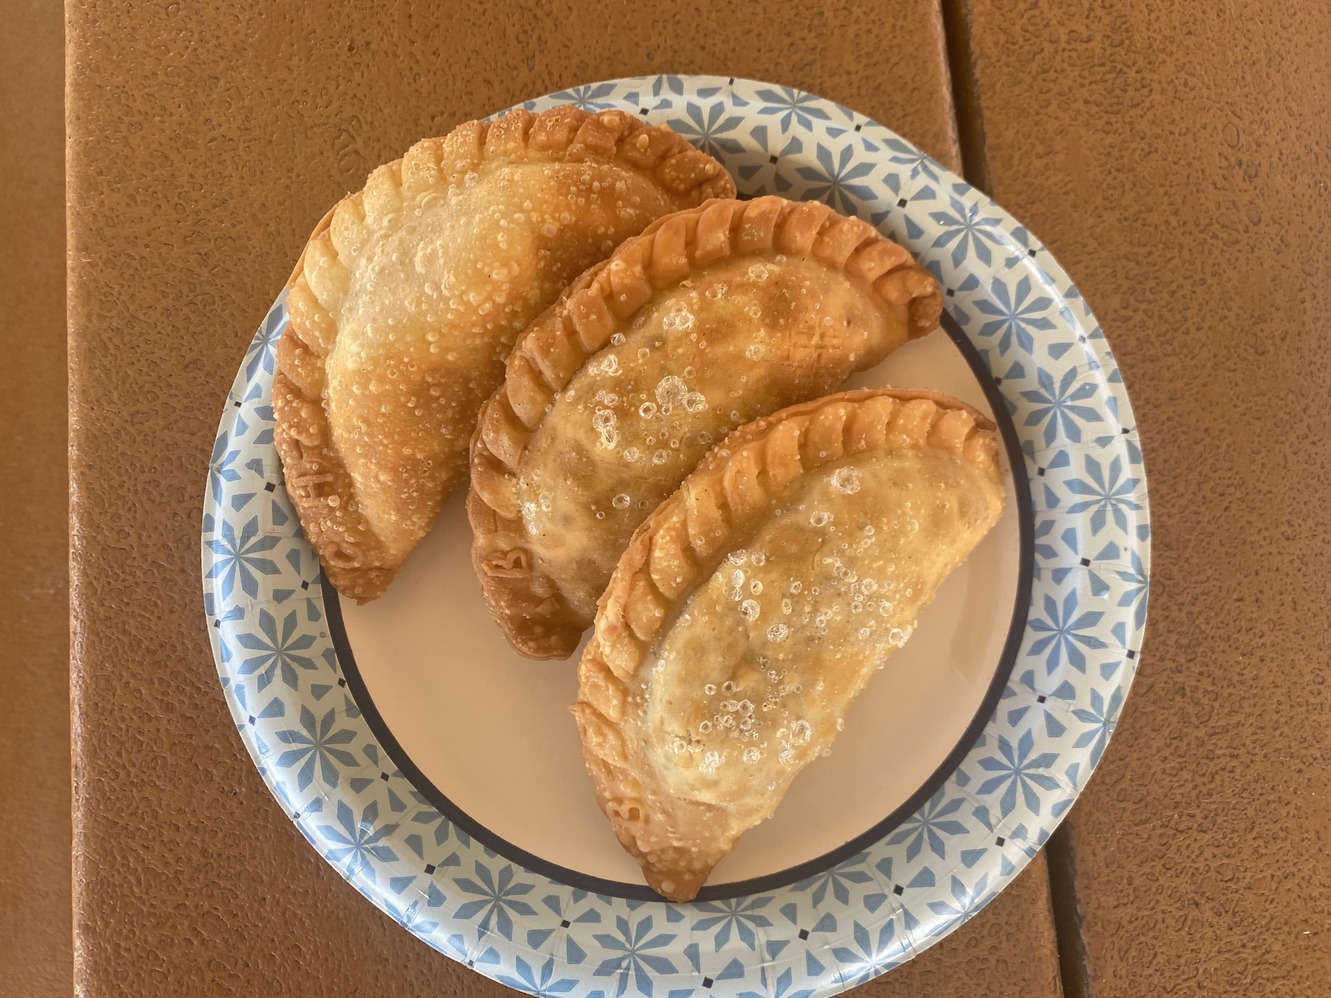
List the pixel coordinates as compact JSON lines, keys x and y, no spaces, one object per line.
{"x":755,"y":603}
{"x":709,"y":319}
{"x":409,"y":296}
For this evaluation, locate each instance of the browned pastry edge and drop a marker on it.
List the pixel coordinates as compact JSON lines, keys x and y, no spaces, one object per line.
{"x":681,"y":543}
{"x":526,"y":603}
{"x":352,"y":556}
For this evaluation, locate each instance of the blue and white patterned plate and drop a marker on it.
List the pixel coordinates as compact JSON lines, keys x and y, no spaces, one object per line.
{"x":1032,"y":333}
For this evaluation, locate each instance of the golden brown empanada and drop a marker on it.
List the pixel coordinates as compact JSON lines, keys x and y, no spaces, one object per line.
{"x":755,"y":603}
{"x":710,"y":318}
{"x":410,"y":293}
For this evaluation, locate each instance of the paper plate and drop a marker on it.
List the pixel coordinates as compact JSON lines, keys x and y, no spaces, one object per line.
{"x":441,"y":776}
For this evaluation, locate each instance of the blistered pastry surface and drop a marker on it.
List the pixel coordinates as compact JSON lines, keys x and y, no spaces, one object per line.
{"x":432,"y":308}
{"x":756,"y":602}
{"x":737,"y":342}
{"x":767,"y":654}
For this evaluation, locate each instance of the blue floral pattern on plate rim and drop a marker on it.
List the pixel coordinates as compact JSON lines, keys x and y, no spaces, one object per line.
{"x":873,"y":911}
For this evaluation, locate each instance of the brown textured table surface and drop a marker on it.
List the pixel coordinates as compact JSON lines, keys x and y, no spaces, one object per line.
{"x":1175,"y":163}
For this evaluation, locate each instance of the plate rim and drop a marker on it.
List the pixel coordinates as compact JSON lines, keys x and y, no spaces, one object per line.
{"x":874,"y":944}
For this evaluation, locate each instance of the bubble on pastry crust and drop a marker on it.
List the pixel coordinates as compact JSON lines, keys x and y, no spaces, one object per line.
{"x":617,"y":339}
{"x":752,"y":755}
{"x":710,"y":689}
{"x":787,"y":606}
{"x":647,"y":410}
{"x":600,"y":514}
{"x":631,"y":454}
{"x":660,"y":457}
{"x":710,"y":761}
{"x":846,"y":480}
{"x":670,"y":392}
{"x":679,"y":317}
{"x":795,"y":586}
{"x":546,"y":501}
{"x":738,"y":557}
{"x":756,"y":587}
{"x":778,"y":633}
{"x":715,"y":292}
{"x":705,"y":728}
{"x":605,"y":423}
{"x":800,"y":732}
{"x":820,"y":518}
{"x":749,"y":609}
{"x":643,"y":353}
{"x":898,"y":636}
{"x":729,"y":686}
{"x":695,"y":401}
{"x":759,"y":272}
{"x":608,"y":365}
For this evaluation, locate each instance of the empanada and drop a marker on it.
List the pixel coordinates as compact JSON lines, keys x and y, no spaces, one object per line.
{"x":756,"y":602}
{"x":411,"y":292}
{"x":710,"y":318}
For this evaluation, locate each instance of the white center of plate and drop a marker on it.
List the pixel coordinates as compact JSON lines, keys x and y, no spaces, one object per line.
{"x":491,"y":730}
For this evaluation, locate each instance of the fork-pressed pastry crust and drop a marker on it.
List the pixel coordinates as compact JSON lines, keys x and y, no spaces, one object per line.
{"x":409,"y":294}
{"x":792,"y":298}
{"x":637,"y":682}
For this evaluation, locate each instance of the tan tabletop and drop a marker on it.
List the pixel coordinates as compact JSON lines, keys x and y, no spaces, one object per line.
{"x":35,"y":945}
{"x":204,"y":141}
